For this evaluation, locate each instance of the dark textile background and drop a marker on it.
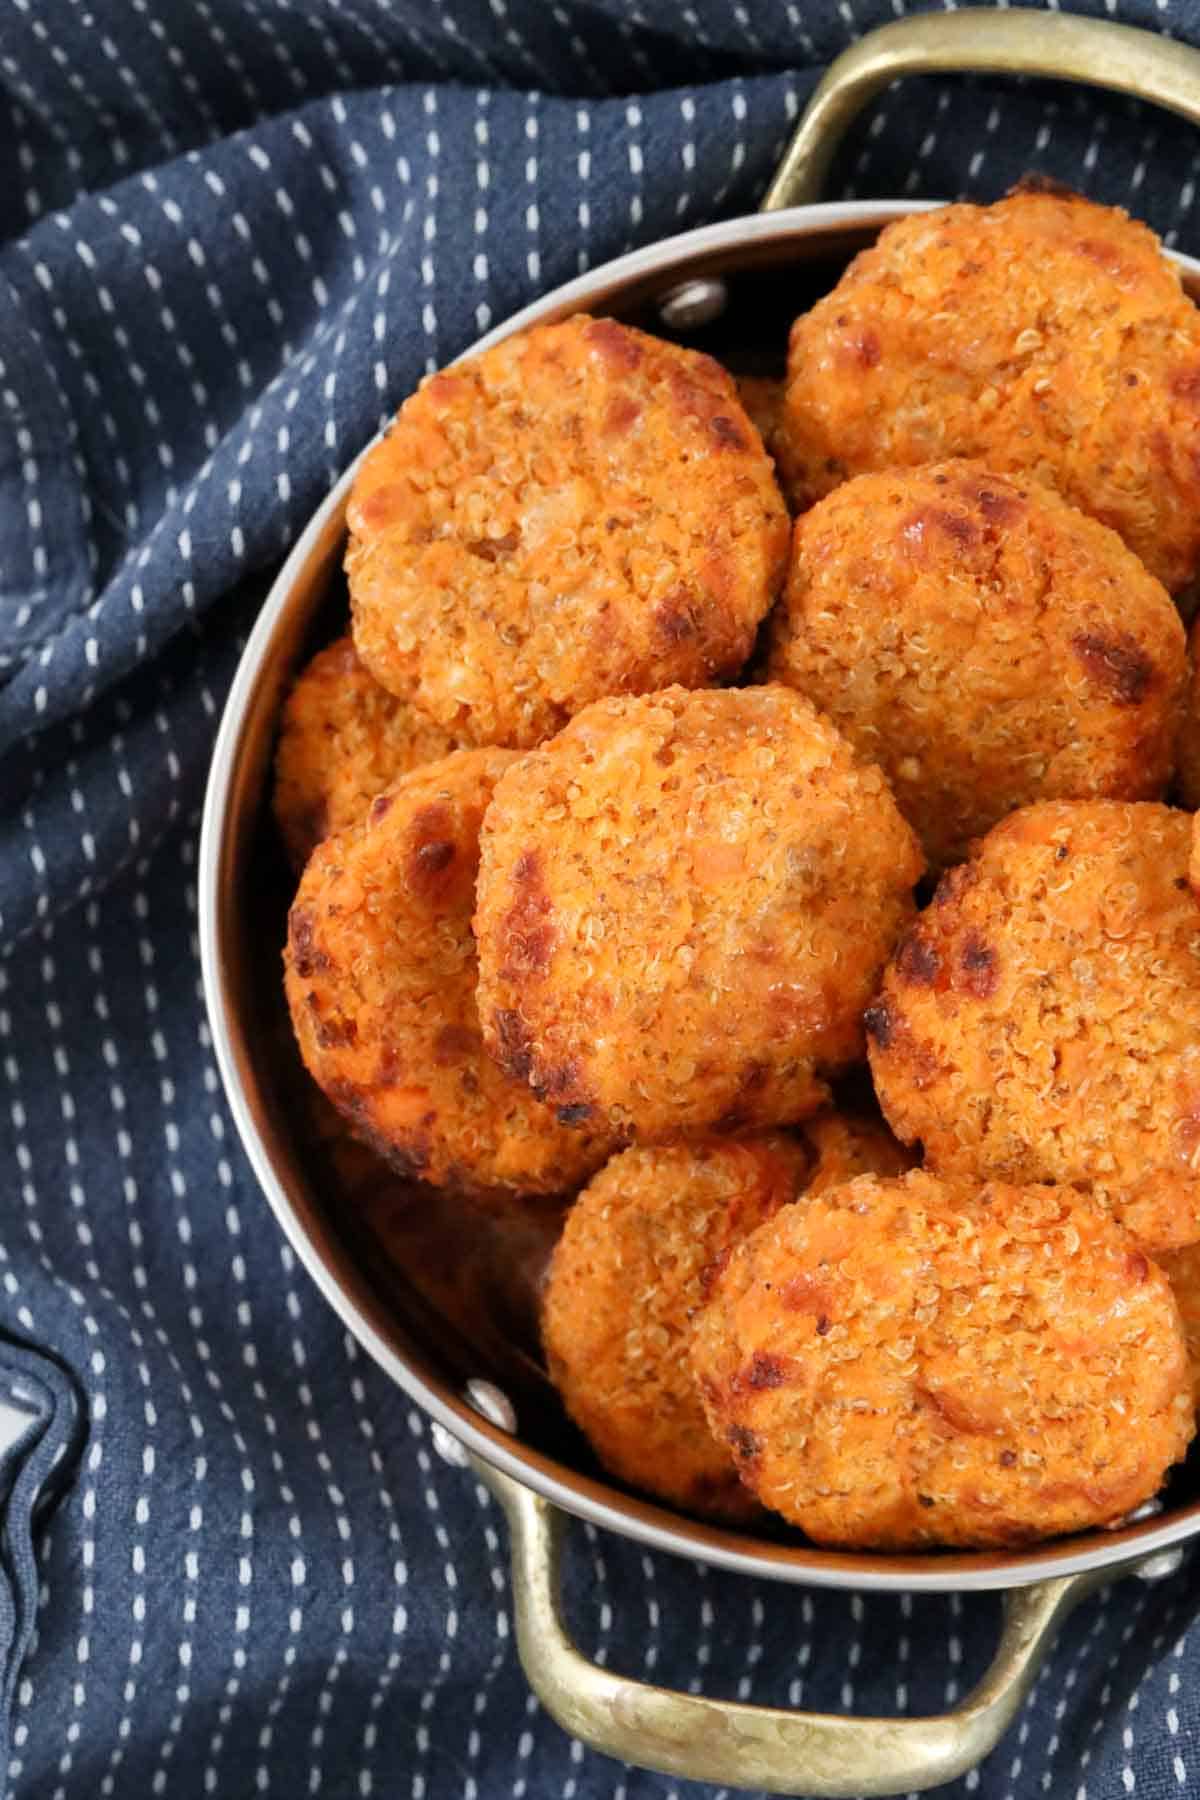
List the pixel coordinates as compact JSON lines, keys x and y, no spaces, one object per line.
{"x":233,"y":233}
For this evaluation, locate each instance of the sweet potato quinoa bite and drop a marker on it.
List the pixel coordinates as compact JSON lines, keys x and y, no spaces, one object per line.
{"x":641,"y":1248}
{"x":634,"y":1262}
{"x":982,"y":641}
{"x":581,"y":510}
{"x":915,"y":1362}
{"x":685,"y":902}
{"x":1045,"y":335}
{"x":342,"y":740}
{"x":1041,"y":1019}
{"x":380,"y":974}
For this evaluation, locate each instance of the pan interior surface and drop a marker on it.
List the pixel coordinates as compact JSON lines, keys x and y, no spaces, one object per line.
{"x":440,"y":1299}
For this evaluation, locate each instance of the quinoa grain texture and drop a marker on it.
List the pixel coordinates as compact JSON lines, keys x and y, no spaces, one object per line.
{"x":635,"y":1261}
{"x":342,"y":740}
{"x":685,"y":903}
{"x":581,"y":510}
{"x":985,"y":643}
{"x":904,"y":1363}
{"x":1041,"y":1019}
{"x":380,"y":973}
{"x":1044,"y":335}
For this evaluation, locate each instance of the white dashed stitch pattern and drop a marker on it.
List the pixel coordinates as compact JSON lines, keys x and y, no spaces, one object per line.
{"x":263,"y":1582}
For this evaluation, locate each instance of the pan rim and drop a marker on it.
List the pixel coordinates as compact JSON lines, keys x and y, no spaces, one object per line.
{"x":583,"y":1496}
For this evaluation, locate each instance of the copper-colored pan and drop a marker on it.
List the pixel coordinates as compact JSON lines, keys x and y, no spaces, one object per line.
{"x":724,"y":281}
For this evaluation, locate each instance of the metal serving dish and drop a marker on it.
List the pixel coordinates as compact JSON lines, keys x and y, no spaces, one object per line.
{"x":721,"y":286}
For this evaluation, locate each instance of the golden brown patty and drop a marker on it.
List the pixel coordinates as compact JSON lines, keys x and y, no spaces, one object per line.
{"x":343,"y":739}
{"x":380,"y":973}
{"x":685,"y":902}
{"x":982,"y":641}
{"x":634,"y":1262}
{"x":581,"y":510}
{"x":900,"y":1363}
{"x":1044,"y":335}
{"x":1041,"y":1020}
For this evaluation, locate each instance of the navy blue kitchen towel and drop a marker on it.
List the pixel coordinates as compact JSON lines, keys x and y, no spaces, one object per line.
{"x":233,"y":233}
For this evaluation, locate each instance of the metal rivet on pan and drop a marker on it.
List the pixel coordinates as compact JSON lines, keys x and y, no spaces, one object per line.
{"x":448,"y":1446}
{"x":1160,"y":1565}
{"x":493,"y":1403}
{"x":693,"y":303}
{"x":1163,"y":1562}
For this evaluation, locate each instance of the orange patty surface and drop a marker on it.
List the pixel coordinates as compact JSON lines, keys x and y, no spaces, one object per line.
{"x":914,"y":1362}
{"x":685,"y":902}
{"x":581,"y":510}
{"x":641,"y":1249}
{"x":342,"y":740}
{"x":984,"y":642}
{"x":634,"y":1262}
{"x":380,"y":973}
{"x":1045,"y":335}
{"x":1041,"y":1019}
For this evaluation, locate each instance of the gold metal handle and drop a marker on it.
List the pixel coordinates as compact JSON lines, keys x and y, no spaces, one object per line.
{"x":1015,"y":41}
{"x":736,"y":1745}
